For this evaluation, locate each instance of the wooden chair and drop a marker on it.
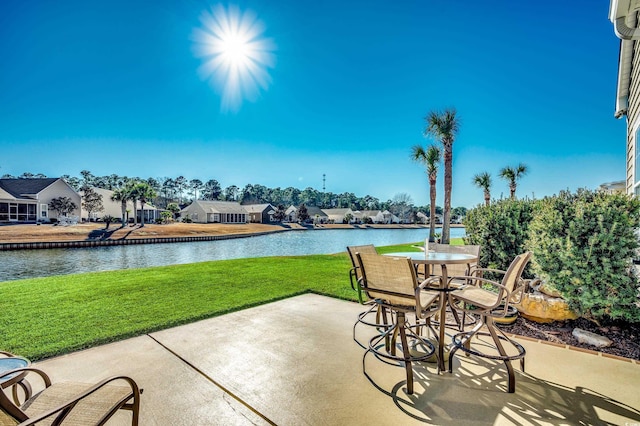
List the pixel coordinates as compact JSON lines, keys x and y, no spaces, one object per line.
{"x":71,"y":403}
{"x":489,"y":304}
{"x":392,"y":283}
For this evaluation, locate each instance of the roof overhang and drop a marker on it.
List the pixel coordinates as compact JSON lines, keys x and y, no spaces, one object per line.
{"x":623,"y":15}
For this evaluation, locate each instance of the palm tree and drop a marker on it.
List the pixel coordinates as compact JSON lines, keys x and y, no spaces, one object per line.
{"x":123,"y":195}
{"x":512,"y":175}
{"x":430,"y":158}
{"x":483,"y":181}
{"x":444,"y":127}
{"x":142,"y":192}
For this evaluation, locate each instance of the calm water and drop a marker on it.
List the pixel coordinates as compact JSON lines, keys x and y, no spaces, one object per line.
{"x":41,"y":263}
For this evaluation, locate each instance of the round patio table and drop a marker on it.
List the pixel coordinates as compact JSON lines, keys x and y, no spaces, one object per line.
{"x":15,"y":379}
{"x":442,"y":259}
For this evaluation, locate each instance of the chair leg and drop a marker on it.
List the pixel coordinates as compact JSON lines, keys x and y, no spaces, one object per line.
{"x":507,"y":363}
{"x":405,"y":351}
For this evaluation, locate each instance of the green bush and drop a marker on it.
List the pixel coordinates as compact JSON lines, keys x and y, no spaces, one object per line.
{"x":501,"y":230}
{"x":583,"y":244}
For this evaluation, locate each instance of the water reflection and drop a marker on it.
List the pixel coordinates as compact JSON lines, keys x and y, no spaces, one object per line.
{"x":41,"y":263}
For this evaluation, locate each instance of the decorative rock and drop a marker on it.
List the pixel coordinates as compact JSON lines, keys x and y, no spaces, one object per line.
{"x":542,"y":308}
{"x":590,"y":338}
{"x":549,"y":290}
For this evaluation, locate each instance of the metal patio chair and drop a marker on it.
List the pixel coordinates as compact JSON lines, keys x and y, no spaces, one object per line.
{"x":70,"y":403}
{"x":392,"y":283}
{"x":381,"y":321}
{"x":475,"y":298}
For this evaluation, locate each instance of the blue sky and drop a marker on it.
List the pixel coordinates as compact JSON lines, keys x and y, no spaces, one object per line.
{"x":115,"y":87}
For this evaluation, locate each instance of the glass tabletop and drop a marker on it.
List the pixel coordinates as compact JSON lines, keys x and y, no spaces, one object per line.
{"x":7,"y":364}
{"x":433,"y":256}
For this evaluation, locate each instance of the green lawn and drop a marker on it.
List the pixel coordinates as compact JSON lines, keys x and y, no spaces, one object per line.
{"x":43,"y":317}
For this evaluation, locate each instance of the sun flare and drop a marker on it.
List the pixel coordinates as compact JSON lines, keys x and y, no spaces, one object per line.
{"x":236,"y":56}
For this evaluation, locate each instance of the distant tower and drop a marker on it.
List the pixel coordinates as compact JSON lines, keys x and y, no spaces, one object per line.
{"x":324,"y":180}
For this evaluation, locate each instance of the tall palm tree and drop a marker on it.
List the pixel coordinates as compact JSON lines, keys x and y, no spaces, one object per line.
{"x":483,"y":181}
{"x":444,"y":127}
{"x":123,"y":195}
{"x":430,"y":158}
{"x":512,"y":175}
{"x":142,"y":192}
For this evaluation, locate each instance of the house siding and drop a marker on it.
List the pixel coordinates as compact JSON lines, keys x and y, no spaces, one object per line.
{"x":633,"y":116}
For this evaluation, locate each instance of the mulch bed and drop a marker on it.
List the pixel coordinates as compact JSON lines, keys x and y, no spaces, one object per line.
{"x":625,"y":336}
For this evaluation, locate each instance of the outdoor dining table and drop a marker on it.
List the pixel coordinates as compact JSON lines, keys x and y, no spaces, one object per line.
{"x":442,"y":259}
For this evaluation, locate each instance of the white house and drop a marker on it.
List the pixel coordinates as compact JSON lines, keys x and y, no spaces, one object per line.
{"x":27,"y":200}
{"x":201,"y":211}
{"x":260,"y":213}
{"x":114,"y":208}
{"x":338,"y":215}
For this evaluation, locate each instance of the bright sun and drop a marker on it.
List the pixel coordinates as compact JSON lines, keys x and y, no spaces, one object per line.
{"x":236,"y":56}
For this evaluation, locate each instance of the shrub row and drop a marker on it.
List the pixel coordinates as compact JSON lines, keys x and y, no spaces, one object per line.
{"x":583,"y":244}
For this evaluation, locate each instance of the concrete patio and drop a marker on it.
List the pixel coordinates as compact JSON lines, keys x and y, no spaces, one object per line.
{"x":293,"y":362}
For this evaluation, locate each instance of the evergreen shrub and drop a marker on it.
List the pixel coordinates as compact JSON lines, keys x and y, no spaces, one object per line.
{"x":501,"y":231}
{"x":583,"y":245}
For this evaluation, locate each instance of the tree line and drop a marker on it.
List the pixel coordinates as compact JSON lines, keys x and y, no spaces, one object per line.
{"x":169,"y":193}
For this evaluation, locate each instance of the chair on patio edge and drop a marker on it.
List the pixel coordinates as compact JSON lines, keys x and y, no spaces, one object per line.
{"x":71,"y":403}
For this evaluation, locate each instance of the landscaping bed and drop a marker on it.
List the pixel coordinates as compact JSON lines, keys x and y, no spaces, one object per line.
{"x":625,"y":337}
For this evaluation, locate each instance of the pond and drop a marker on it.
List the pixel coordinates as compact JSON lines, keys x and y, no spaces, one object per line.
{"x":42,"y":263}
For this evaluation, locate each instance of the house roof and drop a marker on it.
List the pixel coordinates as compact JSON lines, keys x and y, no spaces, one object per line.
{"x":337,"y":212}
{"x":257,"y":208}
{"x":312,"y":211}
{"x":25,"y":188}
{"x":220,"y":206}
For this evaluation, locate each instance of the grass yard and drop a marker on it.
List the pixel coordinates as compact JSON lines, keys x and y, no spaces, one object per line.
{"x":44,"y":317}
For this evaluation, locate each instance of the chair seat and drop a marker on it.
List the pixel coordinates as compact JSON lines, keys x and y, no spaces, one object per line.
{"x":89,"y":411}
{"x":476,"y":296}
{"x":7,"y":420}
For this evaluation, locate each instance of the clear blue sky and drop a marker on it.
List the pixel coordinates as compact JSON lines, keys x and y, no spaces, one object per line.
{"x":115,"y":87}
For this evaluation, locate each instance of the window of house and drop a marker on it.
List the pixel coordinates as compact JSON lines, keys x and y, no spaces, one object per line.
{"x":44,"y":211}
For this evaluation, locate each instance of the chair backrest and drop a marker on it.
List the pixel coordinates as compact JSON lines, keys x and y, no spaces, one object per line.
{"x":352,"y":250}
{"x":455,"y":270}
{"x":389,"y":278}
{"x":514,"y":272}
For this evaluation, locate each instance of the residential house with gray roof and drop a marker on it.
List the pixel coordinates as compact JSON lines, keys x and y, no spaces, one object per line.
{"x":201,"y":211}
{"x":27,"y":200}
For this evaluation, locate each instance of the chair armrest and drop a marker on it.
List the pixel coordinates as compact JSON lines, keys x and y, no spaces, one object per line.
{"x":7,"y":405}
{"x":503,"y":293}
{"x":479,"y":271}
{"x":428,"y":283}
{"x":45,"y":378}
{"x":65,"y":408}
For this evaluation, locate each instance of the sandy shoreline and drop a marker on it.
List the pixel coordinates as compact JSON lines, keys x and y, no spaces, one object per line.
{"x":96,"y":231}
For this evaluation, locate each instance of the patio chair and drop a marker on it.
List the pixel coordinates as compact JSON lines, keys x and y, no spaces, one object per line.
{"x":475,"y":298}
{"x":456,"y":272}
{"x":392,"y":283}
{"x":70,"y":403}
{"x":355,"y":274}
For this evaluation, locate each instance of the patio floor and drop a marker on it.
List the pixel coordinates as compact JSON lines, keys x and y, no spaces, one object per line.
{"x":293,"y":362}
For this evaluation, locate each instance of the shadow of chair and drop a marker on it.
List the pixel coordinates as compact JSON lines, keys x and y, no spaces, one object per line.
{"x":71,"y":403}
{"x":487,"y":305}
{"x":381,"y":322}
{"x":392,"y":283}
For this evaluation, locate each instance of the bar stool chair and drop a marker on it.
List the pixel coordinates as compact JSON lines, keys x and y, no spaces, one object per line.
{"x":487,"y":305}
{"x":392,"y":283}
{"x":380,"y":322}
